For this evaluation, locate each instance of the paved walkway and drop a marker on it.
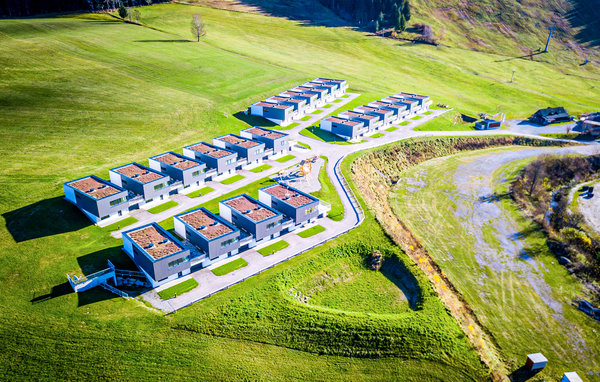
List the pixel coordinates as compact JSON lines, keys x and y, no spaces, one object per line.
{"x":210,"y":284}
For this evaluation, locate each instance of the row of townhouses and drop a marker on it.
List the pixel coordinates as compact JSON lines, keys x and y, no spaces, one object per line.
{"x":352,"y":124}
{"x":293,"y":104}
{"x":134,"y":185}
{"x":242,"y":223}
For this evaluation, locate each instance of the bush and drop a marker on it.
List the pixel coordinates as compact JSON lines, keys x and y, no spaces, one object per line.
{"x":123,"y":11}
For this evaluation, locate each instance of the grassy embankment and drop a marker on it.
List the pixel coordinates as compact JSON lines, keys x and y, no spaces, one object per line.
{"x":509,"y":302}
{"x":85,"y":93}
{"x":329,"y":194}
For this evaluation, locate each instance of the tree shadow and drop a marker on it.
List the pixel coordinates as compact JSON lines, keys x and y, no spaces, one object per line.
{"x":395,"y":271}
{"x":56,"y":291}
{"x":47,"y":217}
{"x":523,"y":57}
{"x":585,"y":18}
{"x":494,"y":197}
{"x":254,"y":120}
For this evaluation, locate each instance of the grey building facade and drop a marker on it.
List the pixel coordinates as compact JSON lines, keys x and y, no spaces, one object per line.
{"x":274,"y":140}
{"x":294,"y":204}
{"x":97,"y":198}
{"x":252,"y":216}
{"x":216,"y":158}
{"x":140,"y":180}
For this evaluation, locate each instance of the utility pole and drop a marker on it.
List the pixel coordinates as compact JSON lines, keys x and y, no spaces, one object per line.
{"x":513,"y":76}
{"x":548,"y":41}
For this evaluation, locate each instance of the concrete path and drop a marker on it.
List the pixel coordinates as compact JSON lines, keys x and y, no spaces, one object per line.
{"x":210,"y":284}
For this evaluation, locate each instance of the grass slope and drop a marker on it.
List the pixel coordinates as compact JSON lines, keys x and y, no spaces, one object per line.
{"x":270,"y":249}
{"x":178,"y":289}
{"x":230,"y":267}
{"x":507,"y":304}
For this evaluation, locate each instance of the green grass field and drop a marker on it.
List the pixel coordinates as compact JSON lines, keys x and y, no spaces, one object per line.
{"x":416,"y":117}
{"x":445,"y":122}
{"x":233,"y":179}
{"x":302,"y":144}
{"x":329,"y":194}
{"x":261,"y":168}
{"x":81,"y":94}
{"x":201,"y":192}
{"x":120,"y":224}
{"x":318,"y":111}
{"x":178,"y":289}
{"x":272,"y":248}
{"x":163,"y":207}
{"x":230,"y":267}
{"x":377,"y":135}
{"x":312,"y":231}
{"x":286,"y":158}
{"x":305,"y":118}
{"x":404,"y":123}
{"x":511,"y":308}
{"x":390,"y":129}
{"x":288,"y":127}
{"x":323,"y":135}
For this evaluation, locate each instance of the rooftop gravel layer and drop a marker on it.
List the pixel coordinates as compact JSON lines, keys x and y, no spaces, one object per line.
{"x":308,"y":89}
{"x":154,"y":242}
{"x":274,"y":105}
{"x":177,"y":161}
{"x":250,"y":208}
{"x":320,"y":84}
{"x":289,"y":195}
{"x":358,"y":115}
{"x":138,"y":173}
{"x":238,"y":141}
{"x":387,"y":104}
{"x":342,"y":121}
{"x":411,"y":95}
{"x":210,"y":151}
{"x":94,"y":188}
{"x":286,"y":99}
{"x":265,"y":133}
{"x":329,"y":80}
{"x":212,"y":228}
{"x":402,"y":99}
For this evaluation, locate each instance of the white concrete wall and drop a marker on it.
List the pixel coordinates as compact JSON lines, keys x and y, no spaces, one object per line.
{"x":219,"y":143}
{"x":180,"y":228}
{"x":189,"y":154}
{"x":154,"y":164}
{"x":256,"y":110}
{"x":225,"y":212}
{"x":245,"y":134}
{"x":325,"y":125}
{"x":115,"y":178}
{"x":69,"y":194}
{"x":264,"y":197}
{"x":128,"y":247}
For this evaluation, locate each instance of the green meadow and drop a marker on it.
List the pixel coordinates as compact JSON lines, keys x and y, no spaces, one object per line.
{"x":83,"y":93}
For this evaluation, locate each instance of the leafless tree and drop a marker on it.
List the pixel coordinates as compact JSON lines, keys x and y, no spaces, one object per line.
{"x":198,"y":28}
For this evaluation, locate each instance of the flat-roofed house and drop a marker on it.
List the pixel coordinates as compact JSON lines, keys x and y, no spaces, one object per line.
{"x":423,"y":100}
{"x":275,"y":112}
{"x":188,"y":174}
{"x":273,"y":140}
{"x":371,"y":122}
{"x":216,"y":238}
{"x":488,"y":124}
{"x":298,"y":104}
{"x":385,"y":116}
{"x":253,"y":151}
{"x":319,"y":92}
{"x":157,"y":253}
{"x":344,"y":128}
{"x":97,"y":198}
{"x":330,"y":89}
{"x":310,"y":98}
{"x":412,"y":105}
{"x":341,"y":85}
{"x":252,"y":216}
{"x":150,"y":185}
{"x":302,"y":208}
{"x":219,"y":161}
{"x":399,"y":111}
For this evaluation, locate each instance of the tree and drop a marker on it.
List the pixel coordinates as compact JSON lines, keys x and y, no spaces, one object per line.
{"x":376,"y":26}
{"x":149,"y":2}
{"x":406,"y":10}
{"x":123,"y":11}
{"x":136,"y":15}
{"x":198,"y":28}
{"x":401,"y":23}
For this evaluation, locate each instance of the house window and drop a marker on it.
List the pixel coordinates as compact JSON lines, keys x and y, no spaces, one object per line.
{"x":116,"y":202}
{"x":227,"y":243}
{"x":159,"y":186}
{"x":178,"y":262}
{"x":258,"y":151}
{"x":309,"y":211}
{"x":229,"y":161}
{"x":196,"y":173}
{"x":283,"y":143}
{"x":274,"y":224}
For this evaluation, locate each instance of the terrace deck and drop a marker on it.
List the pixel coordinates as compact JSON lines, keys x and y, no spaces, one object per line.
{"x":138,"y":173}
{"x":177,"y":161}
{"x":250,"y":209}
{"x":289,"y":196}
{"x":210,"y":151}
{"x":94,"y":188}
{"x":154,"y":243}
{"x":205,"y":224}
{"x":265,"y":133}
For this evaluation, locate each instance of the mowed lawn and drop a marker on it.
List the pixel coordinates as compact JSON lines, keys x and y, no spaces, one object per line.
{"x":81,"y":94}
{"x":523,"y":314}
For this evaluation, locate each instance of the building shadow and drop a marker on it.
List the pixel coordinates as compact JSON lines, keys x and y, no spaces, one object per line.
{"x":47,"y":217}
{"x":522,"y":374}
{"x":254,"y":120}
{"x":325,"y":135}
{"x":97,"y":261}
{"x":56,"y":291}
{"x":395,"y":271}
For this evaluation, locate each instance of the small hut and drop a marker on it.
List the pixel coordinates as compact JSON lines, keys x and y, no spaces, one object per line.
{"x":535,"y":362}
{"x":571,"y":376}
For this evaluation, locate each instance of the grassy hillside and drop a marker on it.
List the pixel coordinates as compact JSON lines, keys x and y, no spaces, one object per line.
{"x":83,"y":93}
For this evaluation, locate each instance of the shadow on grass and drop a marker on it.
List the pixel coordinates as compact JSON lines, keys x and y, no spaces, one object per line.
{"x":180,"y":40}
{"x":522,"y":374}
{"x":325,"y":135}
{"x":254,"y":120}
{"x":395,"y":271}
{"x":56,"y":291}
{"x":47,"y":217}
